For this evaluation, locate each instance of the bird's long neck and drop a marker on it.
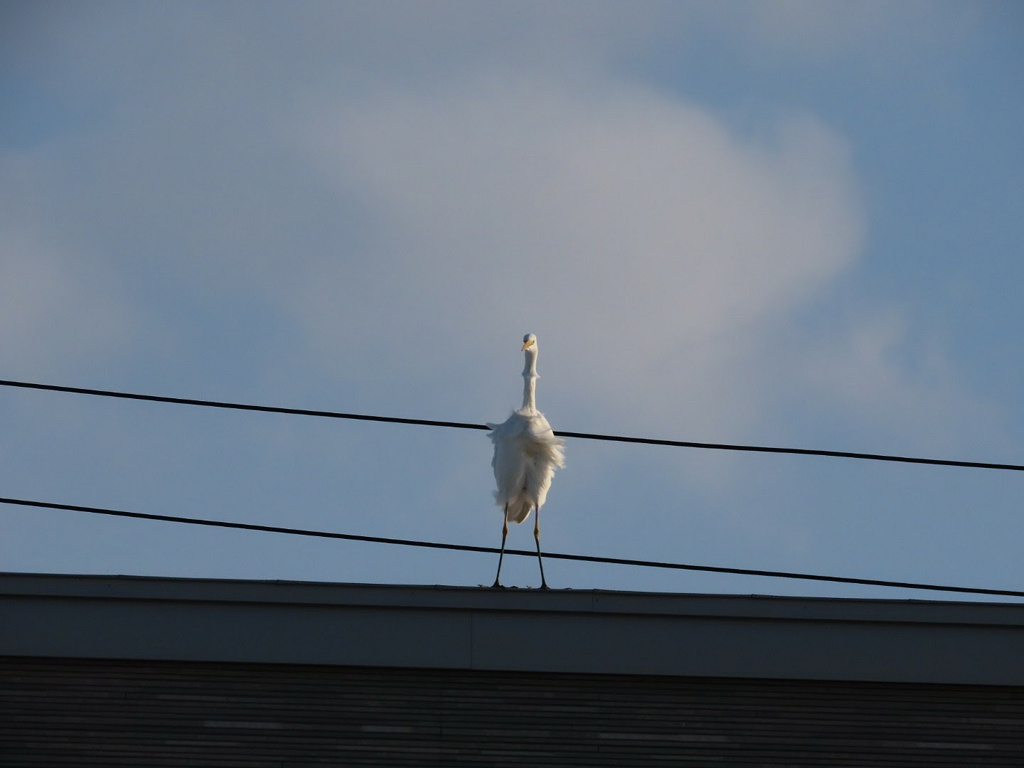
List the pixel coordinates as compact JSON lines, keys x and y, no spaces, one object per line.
{"x":530,"y":380}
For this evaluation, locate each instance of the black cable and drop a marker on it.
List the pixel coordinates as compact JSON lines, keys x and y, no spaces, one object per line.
{"x":464,"y":425}
{"x":796,"y":451}
{"x":520,"y":552}
{"x":238,"y":406}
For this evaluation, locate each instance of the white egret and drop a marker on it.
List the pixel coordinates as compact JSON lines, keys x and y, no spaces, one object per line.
{"x":526,"y":454}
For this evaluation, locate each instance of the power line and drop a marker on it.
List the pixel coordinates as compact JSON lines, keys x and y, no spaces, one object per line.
{"x":464,"y":425}
{"x":520,"y":552}
{"x":238,"y":406}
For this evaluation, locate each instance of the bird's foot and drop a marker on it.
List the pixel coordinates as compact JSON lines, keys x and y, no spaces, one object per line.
{"x":497,"y":585}
{"x":544,"y":585}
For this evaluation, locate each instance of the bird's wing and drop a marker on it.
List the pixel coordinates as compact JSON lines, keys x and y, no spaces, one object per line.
{"x":545,"y":444}
{"x":526,"y":454}
{"x":510,"y":459}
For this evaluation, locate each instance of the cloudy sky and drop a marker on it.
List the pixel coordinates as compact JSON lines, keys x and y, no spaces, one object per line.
{"x":780,"y":223}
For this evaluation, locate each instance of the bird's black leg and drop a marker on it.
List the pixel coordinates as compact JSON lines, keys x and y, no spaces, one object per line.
{"x":504,"y":534}
{"x":536,"y":535}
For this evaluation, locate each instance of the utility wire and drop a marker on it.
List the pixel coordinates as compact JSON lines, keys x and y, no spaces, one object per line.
{"x":238,"y":406}
{"x":464,"y":425}
{"x":520,"y":552}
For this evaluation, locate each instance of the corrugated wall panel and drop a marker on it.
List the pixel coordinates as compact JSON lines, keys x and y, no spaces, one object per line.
{"x":66,"y":712}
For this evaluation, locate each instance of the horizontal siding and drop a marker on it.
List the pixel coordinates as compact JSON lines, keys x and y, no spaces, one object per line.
{"x":67,"y":712}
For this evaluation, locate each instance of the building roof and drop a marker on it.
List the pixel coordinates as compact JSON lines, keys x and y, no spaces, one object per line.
{"x":117,"y":617}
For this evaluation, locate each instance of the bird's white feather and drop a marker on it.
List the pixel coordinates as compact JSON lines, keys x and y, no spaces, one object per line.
{"x":526,"y":451}
{"x":526,"y":455}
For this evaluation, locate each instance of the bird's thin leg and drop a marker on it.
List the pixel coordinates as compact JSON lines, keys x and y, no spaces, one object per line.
{"x":536,"y":535}
{"x":504,"y":534}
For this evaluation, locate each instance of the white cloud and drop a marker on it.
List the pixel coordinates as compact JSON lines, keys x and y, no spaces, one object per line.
{"x":661,"y":255}
{"x":636,"y":233}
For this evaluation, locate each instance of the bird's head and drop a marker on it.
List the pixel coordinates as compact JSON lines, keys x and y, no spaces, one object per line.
{"x":529,"y":341}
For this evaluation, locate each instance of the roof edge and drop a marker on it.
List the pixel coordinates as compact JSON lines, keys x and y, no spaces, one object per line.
{"x":593,"y":631}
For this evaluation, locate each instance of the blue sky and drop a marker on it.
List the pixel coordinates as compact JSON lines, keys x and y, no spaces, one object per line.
{"x":786,"y":223}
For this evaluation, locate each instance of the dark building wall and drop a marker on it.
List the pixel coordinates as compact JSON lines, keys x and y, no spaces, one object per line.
{"x":58,"y":712}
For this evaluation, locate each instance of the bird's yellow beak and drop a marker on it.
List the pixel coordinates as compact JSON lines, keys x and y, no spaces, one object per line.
{"x":527,"y":345}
